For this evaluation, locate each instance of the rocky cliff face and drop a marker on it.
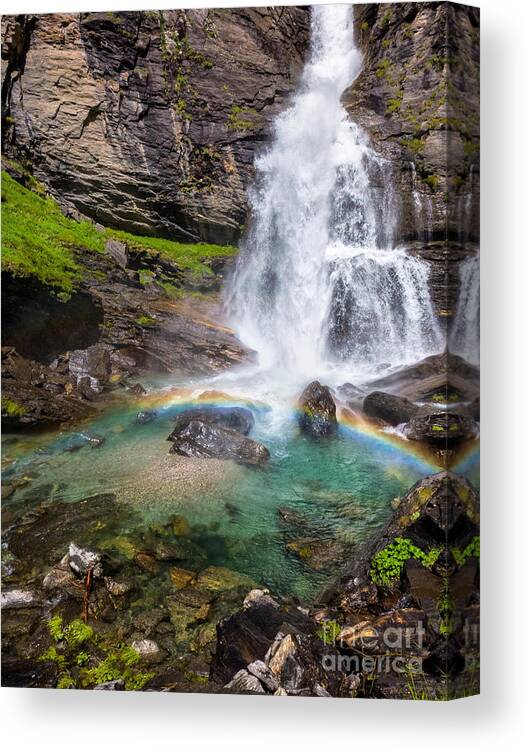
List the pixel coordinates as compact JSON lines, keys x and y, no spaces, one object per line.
{"x":418,"y":98}
{"x":149,"y":121}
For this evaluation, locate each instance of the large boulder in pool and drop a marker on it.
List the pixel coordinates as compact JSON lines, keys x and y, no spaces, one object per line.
{"x":391,"y":409}
{"x":317,"y":410}
{"x":200,"y":440}
{"x":231,"y":417}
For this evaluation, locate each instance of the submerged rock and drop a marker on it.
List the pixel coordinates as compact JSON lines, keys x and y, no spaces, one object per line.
{"x":320,"y":554}
{"x":144,"y":417}
{"x":318,"y":410}
{"x":392,"y":409}
{"x":200,"y":440}
{"x":231,"y":417}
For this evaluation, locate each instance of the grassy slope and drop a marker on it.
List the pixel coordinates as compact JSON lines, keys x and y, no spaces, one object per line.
{"x":37,"y":240}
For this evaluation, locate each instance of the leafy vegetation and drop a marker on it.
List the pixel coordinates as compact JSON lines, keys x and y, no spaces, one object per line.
{"x":382,"y":67}
{"x":471,"y":550}
{"x":12,"y":409}
{"x":85,"y":659}
{"x":388,"y":563}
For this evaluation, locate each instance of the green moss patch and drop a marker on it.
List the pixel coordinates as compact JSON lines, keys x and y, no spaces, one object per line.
{"x":38,"y":240}
{"x":388,"y":563}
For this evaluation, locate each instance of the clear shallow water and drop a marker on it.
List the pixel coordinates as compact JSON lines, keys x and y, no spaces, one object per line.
{"x":339,"y":489}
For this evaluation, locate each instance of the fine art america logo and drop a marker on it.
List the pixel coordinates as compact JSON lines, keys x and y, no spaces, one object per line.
{"x":365,"y":648}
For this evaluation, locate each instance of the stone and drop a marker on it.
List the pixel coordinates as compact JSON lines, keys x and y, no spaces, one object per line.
{"x":244,"y":682}
{"x":146,"y":648}
{"x":317,"y":410}
{"x":178,"y":549}
{"x":200,"y":440}
{"x":111,"y":685}
{"x":362,"y":636}
{"x":144,"y":417}
{"x":117,"y":251}
{"x":28,"y":673}
{"x":264,"y":674}
{"x":391,"y":409}
{"x":93,"y":362}
{"x":137,"y":389}
{"x":18,"y":599}
{"x":82,"y":560}
{"x":246,"y":636}
{"x":23,"y":382}
{"x":216,"y":578}
{"x":441,"y":428}
{"x":181,"y":577}
{"x":118,"y":588}
{"x":259,"y":596}
{"x":320,"y":554}
{"x":232,"y":417}
{"x":147,"y":561}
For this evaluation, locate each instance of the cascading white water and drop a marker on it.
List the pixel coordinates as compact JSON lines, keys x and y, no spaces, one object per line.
{"x":464,"y":332}
{"x":319,"y":288}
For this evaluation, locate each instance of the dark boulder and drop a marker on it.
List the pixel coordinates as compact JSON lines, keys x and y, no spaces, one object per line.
{"x":144,"y":417}
{"x":231,"y":417}
{"x":35,"y":394}
{"x":391,"y":409}
{"x":443,"y":428}
{"x":200,"y":440}
{"x":317,"y":410}
{"x":247,"y":635}
{"x":93,"y":362}
{"x":28,"y":673}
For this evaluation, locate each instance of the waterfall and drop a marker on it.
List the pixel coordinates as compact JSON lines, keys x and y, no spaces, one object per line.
{"x":319,"y":287}
{"x":464,"y":330}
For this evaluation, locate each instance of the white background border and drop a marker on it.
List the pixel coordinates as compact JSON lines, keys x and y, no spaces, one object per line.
{"x":79,"y":720}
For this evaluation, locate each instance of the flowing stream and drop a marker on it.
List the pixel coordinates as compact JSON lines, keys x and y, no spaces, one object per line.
{"x":320,"y":290}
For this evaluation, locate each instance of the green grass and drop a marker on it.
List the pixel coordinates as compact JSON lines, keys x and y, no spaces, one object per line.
{"x":185,"y":255}
{"x":12,"y":409}
{"x":38,"y":240}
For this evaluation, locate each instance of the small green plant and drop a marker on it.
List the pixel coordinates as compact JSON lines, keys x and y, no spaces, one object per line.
{"x":445,"y":608}
{"x":238,"y":118}
{"x":386,"y":18}
{"x":470,"y":147}
{"x":382,"y":67}
{"x":415,"y":145}
{"x":85,"y":659}
{"x":437,"y":428}
{"x":145,"y":320}
{"x":388,"y":563}
{"x":432,"y":180}
{"x":328,"y":631}
{"x":12,"y":409}
{"x":364,"y":26}
{"x":471,"y":550}
{"x":393,"y":104}
{"x":386,"y":43}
